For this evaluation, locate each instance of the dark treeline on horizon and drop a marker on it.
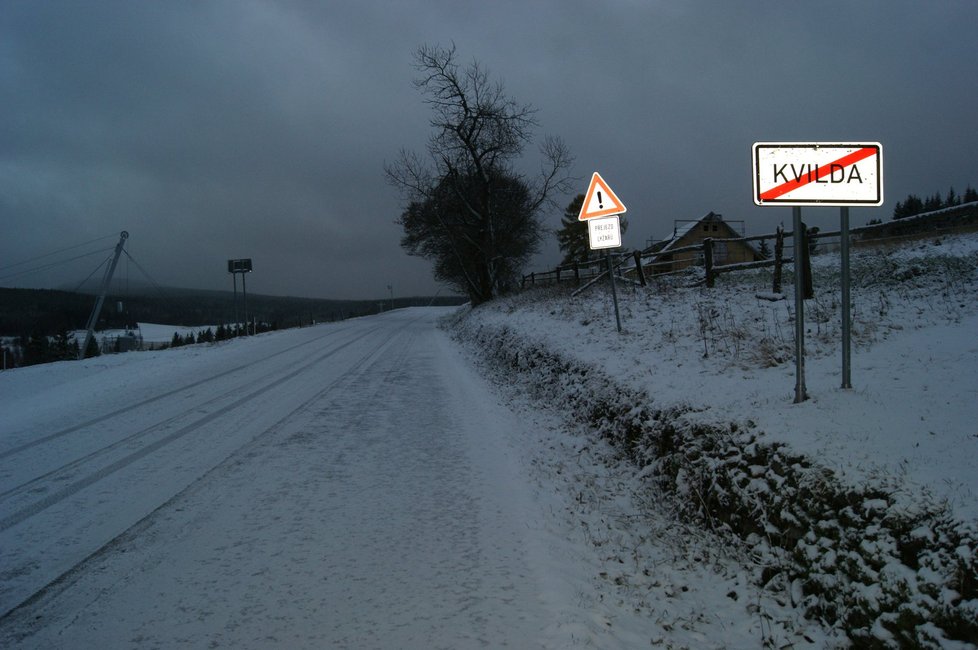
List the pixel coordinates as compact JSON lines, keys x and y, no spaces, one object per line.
{"x":46,"y":312}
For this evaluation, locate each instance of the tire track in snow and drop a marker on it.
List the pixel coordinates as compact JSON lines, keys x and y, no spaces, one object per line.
{"x":92,"y":478}
{"x":36,"y":483}
{"x":108,"y":416}
{"x":61,"y":582}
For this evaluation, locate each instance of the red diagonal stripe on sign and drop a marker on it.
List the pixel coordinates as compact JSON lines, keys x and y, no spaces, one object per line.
{"x":794,"y":184}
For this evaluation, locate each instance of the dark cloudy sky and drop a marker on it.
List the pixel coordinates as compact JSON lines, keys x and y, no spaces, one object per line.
{"x":243,"y":128}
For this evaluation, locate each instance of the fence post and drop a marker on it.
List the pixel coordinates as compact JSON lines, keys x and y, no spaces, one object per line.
{"x":708,"y":261}
{"x":778,"y":258}
{"x":638,"y":267}
{"x":558,"y":275}
{"x":577,"y":274}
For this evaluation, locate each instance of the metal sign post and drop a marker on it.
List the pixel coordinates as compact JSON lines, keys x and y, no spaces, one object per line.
{"x":602,"y":210}
{"x":605,"y":233}
{"x":614,"y":292}
{"x":801,"y":393}
{"x":818,"y":174}
{"x":244,"y":301}
{"x":241,"y":266}
{"x":846,"y":318}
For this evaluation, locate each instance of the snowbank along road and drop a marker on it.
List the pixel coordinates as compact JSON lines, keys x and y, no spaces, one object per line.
{"x":348,"y":485}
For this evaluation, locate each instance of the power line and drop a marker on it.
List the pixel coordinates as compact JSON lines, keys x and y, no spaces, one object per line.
{"x":57,"y":252}
{"x":153,"y":282}
{"x":80,"y":284}
{"x":52,"y":264}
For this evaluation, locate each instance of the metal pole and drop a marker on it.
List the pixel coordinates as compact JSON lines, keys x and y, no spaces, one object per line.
{"x":237,"y":323}
{"x":244,"y":299}
{"x":846,"y":318}
{"x":614,"y":292}
{"x":106,"y":279}
{"x":798,"y":240}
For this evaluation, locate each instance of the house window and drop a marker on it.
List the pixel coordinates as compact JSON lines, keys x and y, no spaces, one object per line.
{"x":716,"y":227}
{"x":706,"y":227}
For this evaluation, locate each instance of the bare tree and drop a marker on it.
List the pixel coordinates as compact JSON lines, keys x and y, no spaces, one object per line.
{"x":468,"y":209}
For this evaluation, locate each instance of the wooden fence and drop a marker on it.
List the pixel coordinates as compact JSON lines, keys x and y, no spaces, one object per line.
{"x":642,"y":264}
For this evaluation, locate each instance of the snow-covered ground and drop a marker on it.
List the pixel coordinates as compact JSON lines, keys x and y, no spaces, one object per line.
{"x":912,"y":413}
{"x":353,"y":485}
{"x":150,"y":333}
{"x":856,"y":505}
{"x":359,"y":484}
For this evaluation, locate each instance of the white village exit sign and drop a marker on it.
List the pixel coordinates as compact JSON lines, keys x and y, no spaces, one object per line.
{"x":813,"y":173}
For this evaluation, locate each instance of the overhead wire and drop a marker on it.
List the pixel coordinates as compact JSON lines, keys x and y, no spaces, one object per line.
{"x":146,"y":274}
{"x":80,"y":284}
{"x":57,"y":252}
{"x":50,"y":265}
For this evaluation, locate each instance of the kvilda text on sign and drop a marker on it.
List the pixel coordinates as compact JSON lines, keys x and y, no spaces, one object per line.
{"x":812,"y":173}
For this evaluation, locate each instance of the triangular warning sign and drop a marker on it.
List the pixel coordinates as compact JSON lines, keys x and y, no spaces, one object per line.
{"x":599,"y":200}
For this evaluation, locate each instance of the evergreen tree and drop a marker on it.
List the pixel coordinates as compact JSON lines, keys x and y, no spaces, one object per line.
{"x":933,"y":203}
{"x":65,"y":345}
{"x":899,"y":212}
{"x":176,"y":341}
{"x":952,"y":199}
{"x":913,"y":205}
{"x":572,"y":238}
{"x":970,"y":195}
{"x":37,"y":349}
{"x":764,"y":250}
{"x":92,"y":350}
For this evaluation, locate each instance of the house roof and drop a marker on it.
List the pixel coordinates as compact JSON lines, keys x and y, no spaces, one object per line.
{"x":684,"y":230}
{"x":663,"y":247}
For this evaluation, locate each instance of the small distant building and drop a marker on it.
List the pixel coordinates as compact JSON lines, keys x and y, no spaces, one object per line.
{"x":693,"y":232}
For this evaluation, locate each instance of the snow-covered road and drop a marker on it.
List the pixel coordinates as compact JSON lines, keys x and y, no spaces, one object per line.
{"x":347,"y":485}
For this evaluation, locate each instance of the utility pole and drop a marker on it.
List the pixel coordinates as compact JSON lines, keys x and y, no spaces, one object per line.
{"x":106,"y":279}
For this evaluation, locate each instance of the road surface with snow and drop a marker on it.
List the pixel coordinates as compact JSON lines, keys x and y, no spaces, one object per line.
{"x":341,"y":485}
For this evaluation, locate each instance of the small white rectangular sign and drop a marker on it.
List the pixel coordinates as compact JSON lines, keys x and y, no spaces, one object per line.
{"x":604,"y":232}
{"x":812,"y":173}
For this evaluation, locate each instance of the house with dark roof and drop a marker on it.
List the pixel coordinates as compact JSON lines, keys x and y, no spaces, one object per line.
{"x":693,"y":232}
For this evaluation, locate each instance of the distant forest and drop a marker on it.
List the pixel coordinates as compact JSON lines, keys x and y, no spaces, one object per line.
{"x":27,"y":314}
{"x":914,"y":205}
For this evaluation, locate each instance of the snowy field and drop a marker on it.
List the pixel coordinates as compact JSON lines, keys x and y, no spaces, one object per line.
{"x":912,"y":414}
{"x":856,"y":506}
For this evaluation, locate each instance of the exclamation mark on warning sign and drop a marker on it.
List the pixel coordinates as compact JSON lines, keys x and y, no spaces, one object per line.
{"x":600,"y":204}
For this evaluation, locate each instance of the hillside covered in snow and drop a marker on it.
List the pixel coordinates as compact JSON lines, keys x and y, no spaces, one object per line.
{"x":858,"y":504}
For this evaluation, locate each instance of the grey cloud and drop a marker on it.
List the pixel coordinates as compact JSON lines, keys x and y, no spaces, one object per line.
{"x":261,"y":128}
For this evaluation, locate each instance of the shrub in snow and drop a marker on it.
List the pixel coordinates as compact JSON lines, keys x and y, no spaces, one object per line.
{"x":888,"y":569}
